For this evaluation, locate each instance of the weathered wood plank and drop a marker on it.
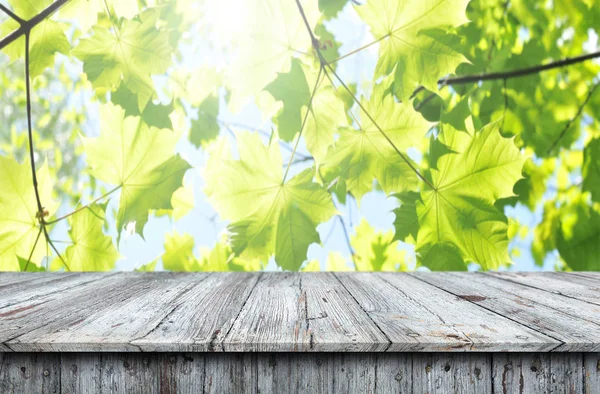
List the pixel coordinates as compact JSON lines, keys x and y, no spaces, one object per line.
{"x":230,"y":373}
{"x":393,"y":372}
{"x":181,"y":373}
{"x":132,"y":373}
{"x":71,"y":373}
{"x":417,"y":316}
{"x":114,"y":326}
{"x":298,"y":312}
{"x":295,"y":372}
{"x":333,"y":317}
{"x":452,"y":373}
{"x":203,"y":317}
{"x":58,"y":311}
{"x":29,"y":373}
{"x":45,"y":284}
{"x":591,"y":370}
{"x":538,"y":373}
{"x":567,"y":284}
{"x":573,"y":322}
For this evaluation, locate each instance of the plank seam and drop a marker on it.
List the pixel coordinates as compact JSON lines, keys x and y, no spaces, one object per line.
{"x":260,"y":275}
{"x":59,"y":290}
{"x":179,"y":296}
{"x":335,"y":275}
{"x":382,"y":277}
{"x":548,"y":305}
{"x":561,"y":343}
{"x":540,"y":288}
{"x":10,"y":339}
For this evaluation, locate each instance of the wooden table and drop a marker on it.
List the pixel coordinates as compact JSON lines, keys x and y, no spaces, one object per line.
{"x":308,"y":332}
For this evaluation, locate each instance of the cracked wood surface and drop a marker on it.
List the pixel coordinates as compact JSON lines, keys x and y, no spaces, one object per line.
{"x":299,"y":312}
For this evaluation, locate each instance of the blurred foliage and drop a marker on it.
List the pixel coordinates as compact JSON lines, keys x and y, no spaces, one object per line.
{"x":116,"y":85}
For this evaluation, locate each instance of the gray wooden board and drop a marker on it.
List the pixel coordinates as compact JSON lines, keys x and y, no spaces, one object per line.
{"x":358,"y":312}
{"x":82,"y":373}
{"x":203,"y":316}
{"x":114,"y":326}
{"x":541,"y":373}
{"x":573,"y":322}
{"x":45,"y":284}
{"x":417,"y":316}
{"x":567,"y":284}
{"x":299,"y":312}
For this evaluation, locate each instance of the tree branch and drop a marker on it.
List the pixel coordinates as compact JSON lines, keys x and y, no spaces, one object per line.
{"x":570,"y":122}
{"x":26,"y":26}
{"x":11,"y":14}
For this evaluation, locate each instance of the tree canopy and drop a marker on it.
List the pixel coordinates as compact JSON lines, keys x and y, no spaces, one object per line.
{"x":477,"y":120}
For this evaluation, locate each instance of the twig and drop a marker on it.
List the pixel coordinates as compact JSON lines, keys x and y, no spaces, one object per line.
{"x":26,"y":26}
{"x":84,"y":206}
{"x":310,"y":102}
{"x":40,"y":209}
{"x":33,"y":249}
{"x":570,"y":122}
{"x":11,"y":14}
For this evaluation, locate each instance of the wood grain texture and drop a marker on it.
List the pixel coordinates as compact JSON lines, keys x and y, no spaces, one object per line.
{"x":573,"y":322}
{"x":201,"y":319}
{"x":135,"y":308}
{"x":570,"y":285}
{"x":452,"y":373}
{"x":591,"y":370}
{"x":103,"y":373}
{"x":417,"y":316}
{"x":299,"y":312}
{"x":538,"y":373}
{"x":29,"y":373}
{"x":311,"y":372}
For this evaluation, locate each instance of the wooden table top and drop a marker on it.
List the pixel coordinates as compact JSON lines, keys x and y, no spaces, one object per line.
{"x":300,"y":312}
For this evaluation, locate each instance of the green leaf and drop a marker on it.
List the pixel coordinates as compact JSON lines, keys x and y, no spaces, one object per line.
{"x":31,"y":267}
{"x":579,"y":239}
{"x":330,"y":8}
{"x":413,"y":41}
{"x":458,"y":212}
{"x":406,"y":222}
{"x":179,"y":253}
{"x":131,"y":53}
{"x":265,"y":49}
{"x":544,"y":235}
{"x":337,"y":263}
{"x":591,"y":168}
{"x":150,"y":267}
{"x":443,"y":257}
{"x":292,"y":89}
{"x":85,"y":12}
{"x":205,"y":128}
{"x":268,"y":216}
{"x":19,"y":225}
{"x":47,"y":38}
{"x":376,"y":250}
{"x":156,"y":115}
{"x":91,"y":250}
{"x":182,"y":202}
{"x":361,"y":156}
{"x":138,"y":159}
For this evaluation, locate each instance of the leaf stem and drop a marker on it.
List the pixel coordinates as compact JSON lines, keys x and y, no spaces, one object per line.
{"x":312,"y":96}
{"x":84,"y":206}
{"x":570,"y":122}
{"x":11,"y":14}
{"x":26,"y":26}
{"x":33,"y":249}
{"x":324,"y":66}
